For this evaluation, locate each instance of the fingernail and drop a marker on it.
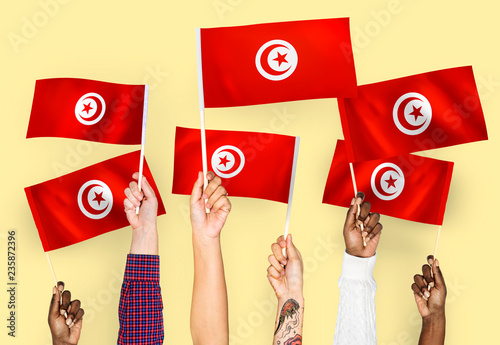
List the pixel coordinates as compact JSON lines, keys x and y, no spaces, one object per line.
{"x":54,"y":290}
{"x":352,"y":201}
{"x":72,"y":324}
{"x":282,"y":273}
{"x":437,"y":262}
{"x":283,"y":244}
{"x":68,"y":321}
{"x":62,"y":311}
{"x":431,"y":284}
{"x":283,"y":262}
{"x":207,"y":205}
{"x":427,"y":294}
{"x":425,"y":298}
{"x":205,"y":196}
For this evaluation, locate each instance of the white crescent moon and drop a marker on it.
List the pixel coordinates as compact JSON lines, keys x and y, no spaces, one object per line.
{"x":99,"y":113}
{"x":376,"y":181}
{"x":236,"y":168}
{"x":399,"y":117}
{"x":83,"y":199}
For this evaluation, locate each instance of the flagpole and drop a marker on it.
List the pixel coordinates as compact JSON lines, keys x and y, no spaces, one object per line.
{"x":201,"y":101}
{"x":355,"y":194}
{"x":143,"y":138}
{"x":292,"y":184}
{"x":436,"y":245}
{"x":51,"y":269}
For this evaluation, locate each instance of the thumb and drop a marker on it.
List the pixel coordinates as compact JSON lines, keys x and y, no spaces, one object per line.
{"x":291,"y":250}
{"x":54,"y":303}
{"x":350,"y":220}
{"x":438,"y":275}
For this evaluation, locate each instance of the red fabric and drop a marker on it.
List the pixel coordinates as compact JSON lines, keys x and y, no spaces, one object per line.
{"x":267,"y":168}
{"x":325,"y":65}
{"x":422,"y":199}
{"x":55,"y":100}
{"x":56,"y":211}
{"x":368,"y":121}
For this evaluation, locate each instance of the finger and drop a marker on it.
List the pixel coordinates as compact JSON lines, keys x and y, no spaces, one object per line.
{"x":134,"y":188}
{"x":416,"y":290}
{"x":370,"y":222}
{"x":438,"y":276}
{"x":148,"y":191}
{"x":73,"y":309}
{"x":54,"y":303}
{"x":66,"y":298}
{"x":360,"y":197}
{"x":132,"y":198}
{"x":217,"y":193}
{"x":273,"y":272}
{"x":291,"y":251}
{"x":278,"y":253}
{"x":60,"y":286}
{"x":426,"y":272}
{"x":78,"y":318}
{"x":223,"y":203}
{"x":197,"y":189}
{"x":350,"y":219}
{"x":375,"y":231}
{"x":365,"y":210}
{"x":210,"y":175}
{"x":275,"y":263}
{"x":422,"y":285}
{"x":281,"y":241}
{"x":213,"y":184}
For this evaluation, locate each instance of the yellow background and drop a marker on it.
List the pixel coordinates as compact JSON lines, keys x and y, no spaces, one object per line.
{"x":154,"y":42}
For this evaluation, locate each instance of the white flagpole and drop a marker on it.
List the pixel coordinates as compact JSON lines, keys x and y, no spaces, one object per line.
{"x":51,"y":269}
{"x":356,"y":193}
{"x":292,"y":183}
{"x":201,"y":101}
{"x":143,"y":137}
{"x":437,"y":242}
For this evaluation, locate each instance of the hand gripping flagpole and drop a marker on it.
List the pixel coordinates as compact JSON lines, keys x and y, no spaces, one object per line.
{"x":143,"y":138}
{"x":202,"y":111}
{"x":356,"y":193}
{"x":290,"y":194}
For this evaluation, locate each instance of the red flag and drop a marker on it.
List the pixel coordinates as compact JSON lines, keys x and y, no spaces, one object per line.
{"x":410,"y":114}
{"x":277,"y":62}
{"x":85,"y":203}
{"x":87,"y":110}
{"x":409,"y":187}
{"x":254,"y":165}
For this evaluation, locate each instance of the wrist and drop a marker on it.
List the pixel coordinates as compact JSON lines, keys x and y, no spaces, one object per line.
{"x":435,"y":317}
{"x":296,"y":295}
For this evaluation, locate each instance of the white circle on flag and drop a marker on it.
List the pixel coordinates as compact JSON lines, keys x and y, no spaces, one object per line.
{"x":228,"y":161}
{"x":90,"y":108}
{"x":95,"y":199}
{"x":276,"y":60}
{"x":412,"y":113}
{"x":387,"y":181}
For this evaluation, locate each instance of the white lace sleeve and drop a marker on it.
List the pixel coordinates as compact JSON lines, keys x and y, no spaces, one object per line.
{"x":356,"y":316}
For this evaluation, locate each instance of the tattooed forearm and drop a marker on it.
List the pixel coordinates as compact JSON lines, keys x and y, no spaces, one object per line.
{"x":290,"y":308}
{"x":297,"y":340}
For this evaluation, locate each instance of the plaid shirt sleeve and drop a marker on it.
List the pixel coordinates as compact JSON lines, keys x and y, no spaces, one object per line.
{"x":141,"y":309}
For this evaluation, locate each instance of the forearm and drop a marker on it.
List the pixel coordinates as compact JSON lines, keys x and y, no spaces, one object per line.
{"x":209,"y":309}
{"x":356,"y":313}
{"x":433,"y":330}
{"x":141,"y":309}
{"x":289,"y":320}
{"x":144,"y":241}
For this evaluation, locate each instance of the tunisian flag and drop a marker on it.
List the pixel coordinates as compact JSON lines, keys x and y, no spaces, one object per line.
{"x":410,"y":114}
{"x":409,"y":187}
{"x":88,"y":110}
{"x":250,"y":164}
{"x":85,"y":203}
{"x":276,"y":62}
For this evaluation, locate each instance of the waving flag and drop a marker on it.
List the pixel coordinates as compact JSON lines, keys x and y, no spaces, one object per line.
{"x":88,"y":110}
{"x":250,"y":164}
{"x":410,"y":114}
{"x":276,"y":62}
{"x":409,"y":187}
{"x":85,"y":203}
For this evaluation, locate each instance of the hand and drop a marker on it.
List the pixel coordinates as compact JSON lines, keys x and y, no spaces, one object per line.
{"x":203,"y":223}
{"x":430,"y":292}
{"x":285,"y":274}
{"x":147,"y":201}
{"x":354,"y":235}
{"x":65,"y":330}
{"x":144,"y":234}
